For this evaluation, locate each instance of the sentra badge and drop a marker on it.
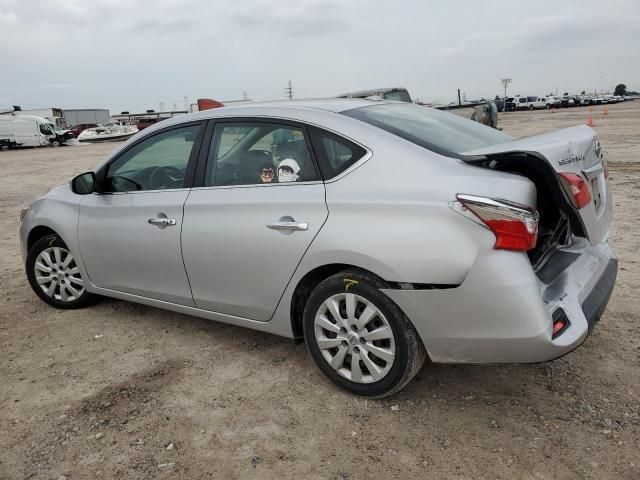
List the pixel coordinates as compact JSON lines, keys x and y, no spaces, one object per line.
{"x":572,"y":159}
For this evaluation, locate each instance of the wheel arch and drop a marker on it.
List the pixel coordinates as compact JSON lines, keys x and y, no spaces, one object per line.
{"x":38,"y":232}
{"x":308,"y":282}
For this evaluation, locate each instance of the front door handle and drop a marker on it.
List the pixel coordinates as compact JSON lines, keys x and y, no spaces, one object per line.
{"x":292,"y":226}
{"x":162,"y":221}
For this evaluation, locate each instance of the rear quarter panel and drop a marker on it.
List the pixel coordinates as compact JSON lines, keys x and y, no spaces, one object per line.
{"x":391,"y":216}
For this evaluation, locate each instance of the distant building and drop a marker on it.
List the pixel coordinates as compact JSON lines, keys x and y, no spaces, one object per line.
{"x":86,"y":115}
{"x":64,"y":119}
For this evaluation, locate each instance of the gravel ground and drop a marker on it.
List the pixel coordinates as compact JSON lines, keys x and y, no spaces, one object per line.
{"x":127,"y":391}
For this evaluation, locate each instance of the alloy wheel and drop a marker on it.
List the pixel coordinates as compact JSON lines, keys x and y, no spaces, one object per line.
{"x":58,"y":275}
{"x":354,"y":338}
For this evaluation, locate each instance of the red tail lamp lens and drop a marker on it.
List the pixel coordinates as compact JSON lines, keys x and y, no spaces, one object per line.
{"x":577,"y":188}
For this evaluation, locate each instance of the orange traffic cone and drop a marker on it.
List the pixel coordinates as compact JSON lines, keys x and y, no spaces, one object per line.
{"x":590,"y":122}
{"x":605,"y":111}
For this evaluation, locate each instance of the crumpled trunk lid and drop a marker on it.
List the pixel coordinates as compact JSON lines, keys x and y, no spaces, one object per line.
{"x":575,"y":150}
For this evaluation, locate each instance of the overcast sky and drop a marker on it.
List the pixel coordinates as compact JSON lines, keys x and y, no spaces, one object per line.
{"x":132,"y":54}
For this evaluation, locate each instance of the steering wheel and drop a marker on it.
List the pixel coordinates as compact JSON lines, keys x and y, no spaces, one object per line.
{"x":166,"y":177}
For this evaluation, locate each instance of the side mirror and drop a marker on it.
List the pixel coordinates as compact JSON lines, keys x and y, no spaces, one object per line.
{"x":84,"y":183}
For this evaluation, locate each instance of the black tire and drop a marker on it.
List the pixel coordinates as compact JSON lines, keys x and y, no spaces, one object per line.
{"x":84,"y":299}
{"x":530,"y":107}
{"x":410,"y":353}
{"x":548,"y":106}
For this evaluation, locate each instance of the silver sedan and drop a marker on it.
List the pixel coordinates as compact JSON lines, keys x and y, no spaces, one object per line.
{"x":381,"y":233}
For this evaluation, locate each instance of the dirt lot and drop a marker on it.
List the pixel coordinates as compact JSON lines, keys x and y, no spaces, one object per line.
{"x":101,"y":392}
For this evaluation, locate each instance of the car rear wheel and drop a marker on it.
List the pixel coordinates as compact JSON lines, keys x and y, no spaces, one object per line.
{"x":530,"y":107}
{"x":54,"y":274}
{"x":359,"y":338}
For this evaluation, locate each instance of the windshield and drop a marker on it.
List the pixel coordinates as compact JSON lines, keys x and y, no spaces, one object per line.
{"x":47,"y":129}
{"x":435,"y":130}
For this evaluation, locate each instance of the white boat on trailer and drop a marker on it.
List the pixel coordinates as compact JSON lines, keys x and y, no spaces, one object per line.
{"x":111,"y":132}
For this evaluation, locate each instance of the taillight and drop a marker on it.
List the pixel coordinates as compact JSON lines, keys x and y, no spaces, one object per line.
{"x":515,"y":226}
{"x":577,"y":189}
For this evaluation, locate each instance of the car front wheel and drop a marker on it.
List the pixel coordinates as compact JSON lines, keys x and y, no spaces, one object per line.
{"x":54,"y":275}
{"x":359,"y":338}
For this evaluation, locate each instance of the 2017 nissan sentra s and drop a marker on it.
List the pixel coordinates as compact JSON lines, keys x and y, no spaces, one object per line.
{"x":381,"y":233}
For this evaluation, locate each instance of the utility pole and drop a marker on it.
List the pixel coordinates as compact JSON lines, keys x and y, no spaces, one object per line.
{"x":505,"y":83}
{"x":289,"y":91}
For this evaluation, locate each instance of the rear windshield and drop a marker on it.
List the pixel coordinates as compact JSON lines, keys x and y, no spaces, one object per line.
{"x":441,"y":132}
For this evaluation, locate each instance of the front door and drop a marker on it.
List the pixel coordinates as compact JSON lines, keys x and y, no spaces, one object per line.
{"x":246,"y":229}
{"x":130,"y":234}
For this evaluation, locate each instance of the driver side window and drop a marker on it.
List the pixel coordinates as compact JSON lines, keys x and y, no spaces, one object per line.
{"x":157,"y":163}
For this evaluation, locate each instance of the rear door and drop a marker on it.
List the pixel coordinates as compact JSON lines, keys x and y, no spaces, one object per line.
{"x":572,"y":150}
{"x":259,"y":204}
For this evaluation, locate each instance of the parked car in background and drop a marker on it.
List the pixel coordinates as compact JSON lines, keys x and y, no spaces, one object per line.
{"x":399,"y":94}
{"x":509,"y":104}
{"x":522,"y":103}
{"x":77,"y":129}
{"x":143,"y":123}
{"x":566,"y":102}
{"x":494,"y":250}
{"x":552,"y":102}
{"x":537,"y":103}
{"x":585,"y":100}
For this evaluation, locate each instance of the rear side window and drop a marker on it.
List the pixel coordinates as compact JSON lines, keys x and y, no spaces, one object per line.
{"x":334,"y":154}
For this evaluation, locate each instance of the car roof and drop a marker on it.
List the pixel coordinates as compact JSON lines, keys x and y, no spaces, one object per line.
{"x":292,"y":109}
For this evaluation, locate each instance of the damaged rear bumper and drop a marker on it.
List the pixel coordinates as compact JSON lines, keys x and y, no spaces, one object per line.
{"x":502,"y":312}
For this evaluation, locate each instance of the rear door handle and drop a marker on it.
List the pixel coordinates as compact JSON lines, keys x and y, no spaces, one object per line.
{"x":162,"y":221}
{"x":292,"y":226}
